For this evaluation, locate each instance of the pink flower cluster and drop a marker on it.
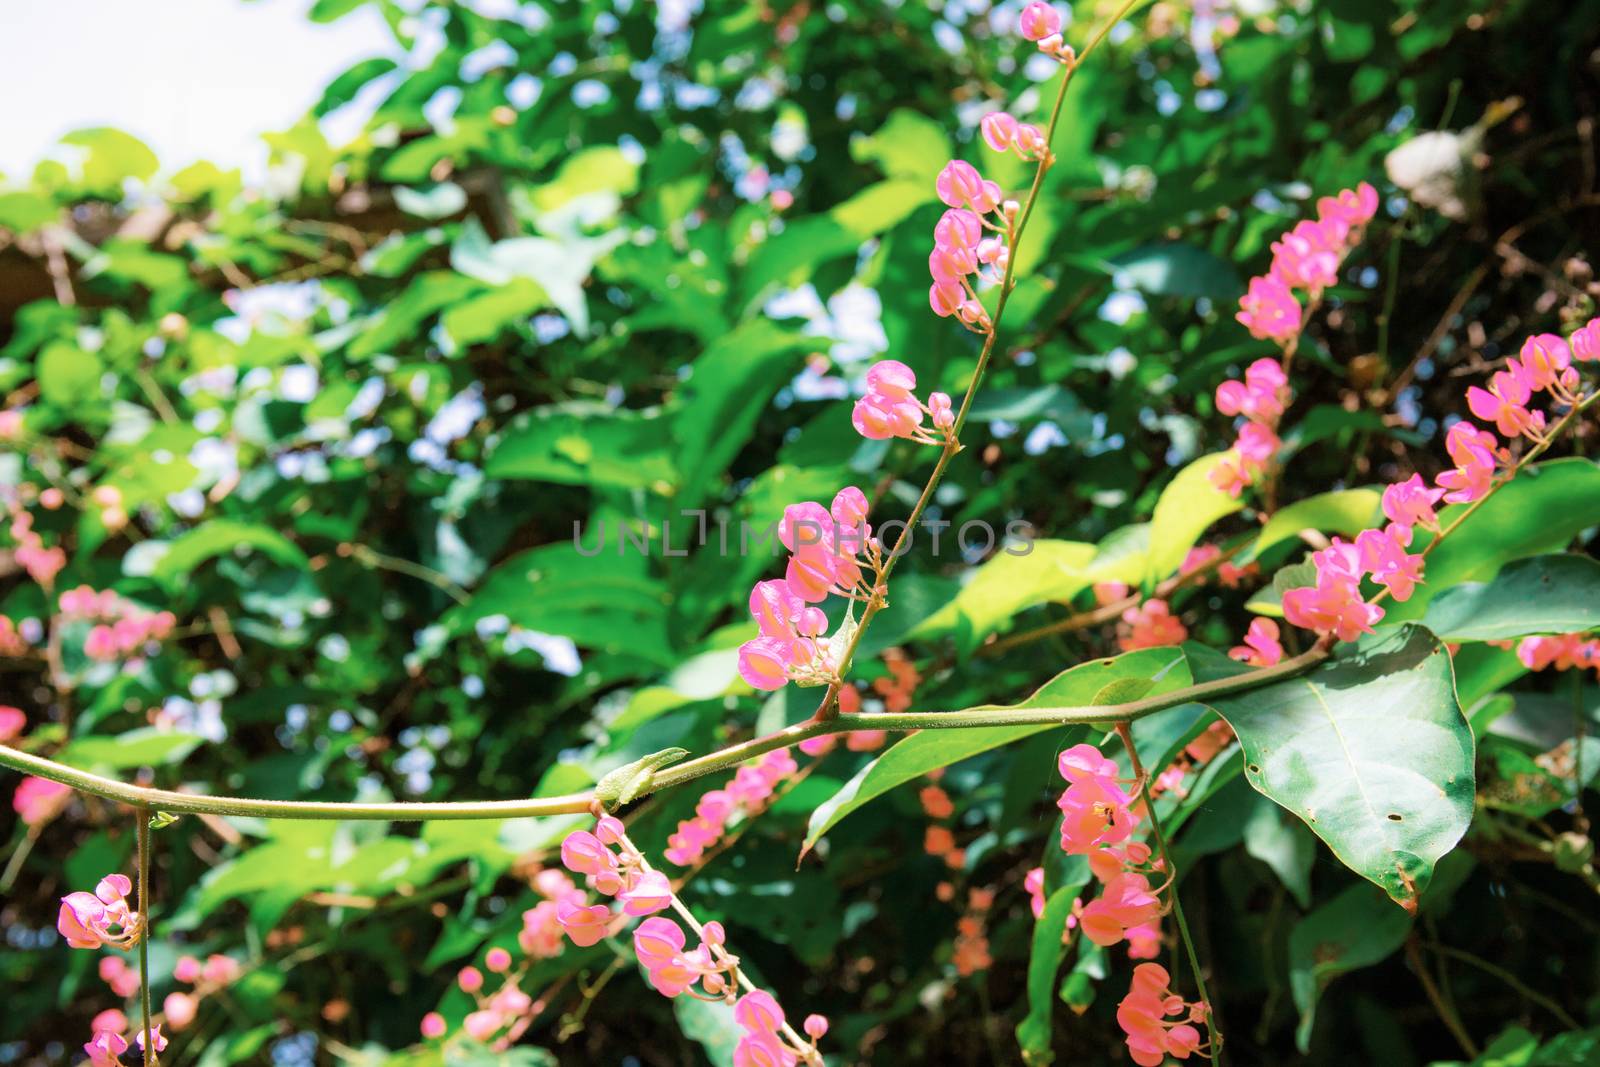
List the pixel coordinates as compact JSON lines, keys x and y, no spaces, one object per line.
{"x":1307,"y":257}
{"x":1261,"y":399}
{"x":1150,"y":625}
{"x":105,"y":1049}
{"x":1145,"y":1017}
{"x":1097,"y":821}
{"x":826,"y":545}
{"x":121,"y":628}
{"x":41,"y":563}
{"x":708,"y":971}
{"x":961,"y":249}
{"x":1561,"y":651}
{"x":890,"y":407}
{"x":1335,"y":604}
{"x":1041,"y":23}
{"x":102,"y":918}
{"x":746,"y":794}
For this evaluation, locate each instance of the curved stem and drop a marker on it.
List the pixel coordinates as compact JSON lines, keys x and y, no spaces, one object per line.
{"x":1106,"y":715}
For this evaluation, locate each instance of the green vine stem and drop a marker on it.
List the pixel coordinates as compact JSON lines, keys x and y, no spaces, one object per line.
{"x":1106,"y":715}
{"x":142,"y":813}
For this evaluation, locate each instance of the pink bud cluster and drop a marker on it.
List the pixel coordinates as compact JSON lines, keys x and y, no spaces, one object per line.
{"x":121,"y":628}
{"x":1003,"y":133}
{"x":107,"y":1046}
{"x":961,"y":249}
{"x":1158,"y":1023}
{"x":100,"y":919}
{"x":1335,"y":604}
{"x":1041,"y":23}
{"x":745,"y":795}
{"x":216,"y":972}
{"x":1150,"y":625}
{"x":613,"y":866}
{"x":890,"y":407}
{"x":1229,"y":573}
{"x":1261,"y":399}
{"x":829,"y":548}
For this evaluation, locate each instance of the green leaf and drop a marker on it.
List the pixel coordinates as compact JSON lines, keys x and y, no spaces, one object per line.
{"x":68,"y":376}
{"x":909,"y":145}
{"x":484,"y":317}
{"x":1033,"y":1032}
{"x":112,"y":156}
{"x":24,"y":212}
{"x":1542,"y":595}
{"x":216,"y":537}
{"x":1347,"y":511}
{"x":1280,"y":842}
{"x":439,"y":202}
{"x":1008,"y":583}
{"x":1355,"y":929}
{"x":1186,"y":509}
{"x":587,"y":443}
{"x":1156,"y":670}
{"x":1539,"y":511}
{"x":1371,"y":751}
{"x":145,"y":747}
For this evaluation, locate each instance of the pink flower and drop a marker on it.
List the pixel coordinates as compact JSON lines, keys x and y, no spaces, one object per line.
{"x":582,"y":853}
{"x":110,"y":1019}
{"x":497,"y":960}
{"x":816,"y":1027}
{"x":187,"y":970}
{"x":1127,"y":901}
{"x":1585,"y":342}
{"x":1261,"y":647}
{"x":1354,"y":207}
{"x":1504,"y":403}
{"x":891,"y":379}
{"x":101,"y":644}
{"x":999,"y":129}
{"x":960,"y":185}
{"x":878,"y":419}
{"x":179,"y":1009}
{"x":1269,"y":310}
{"x":433,"y":1026}
{"x":1410,"y":503}
{"x":1475,"y":453}
{"x":650,"y":893}
{"x":1308,"y":256}
{"x":12,"y":723}
{"x":1334,"y":605}
{"x":91,"y":920}
{"x":586,"y":925}
{"x":105,"y":1048}
{"x":1150,"y":625}
{"x":1545,"y":360}
{"x":1561,"y":651}
{"x":470,"y":979}
{"x":1034,"y":884}
{"x":758,"y":1012}
{"x":764,"y":663}
{"x":482,"y":1025}
{"x":957,"y":229}
{"x":1385,"y":558}
{"x":1144,"y":940}
{"x":1039,"y":20}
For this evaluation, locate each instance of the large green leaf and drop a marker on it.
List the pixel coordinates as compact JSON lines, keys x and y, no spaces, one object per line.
{"x":1541,"y":595}
{"x":585,"y":443}
{"x":1371,"y":751}
{"x":1346,"y":511}
{"x":1101,"y":681}
{"x":1539,"y":511}
{"x":1008,"y":583}
{"x":145,"y":747}
{"x":1353,"y":930}
{"x":1186,"y":509}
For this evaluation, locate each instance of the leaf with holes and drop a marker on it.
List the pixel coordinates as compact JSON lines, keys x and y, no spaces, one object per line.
{"x":1372,"y":751}
{"x":1543,"y":595}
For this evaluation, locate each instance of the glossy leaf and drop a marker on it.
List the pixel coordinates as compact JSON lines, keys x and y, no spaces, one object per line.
{"x":1371,"y":751}
{"x":1355,"y":929}
{"x":1186,"y":509}
{"x":1541,"y":595}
